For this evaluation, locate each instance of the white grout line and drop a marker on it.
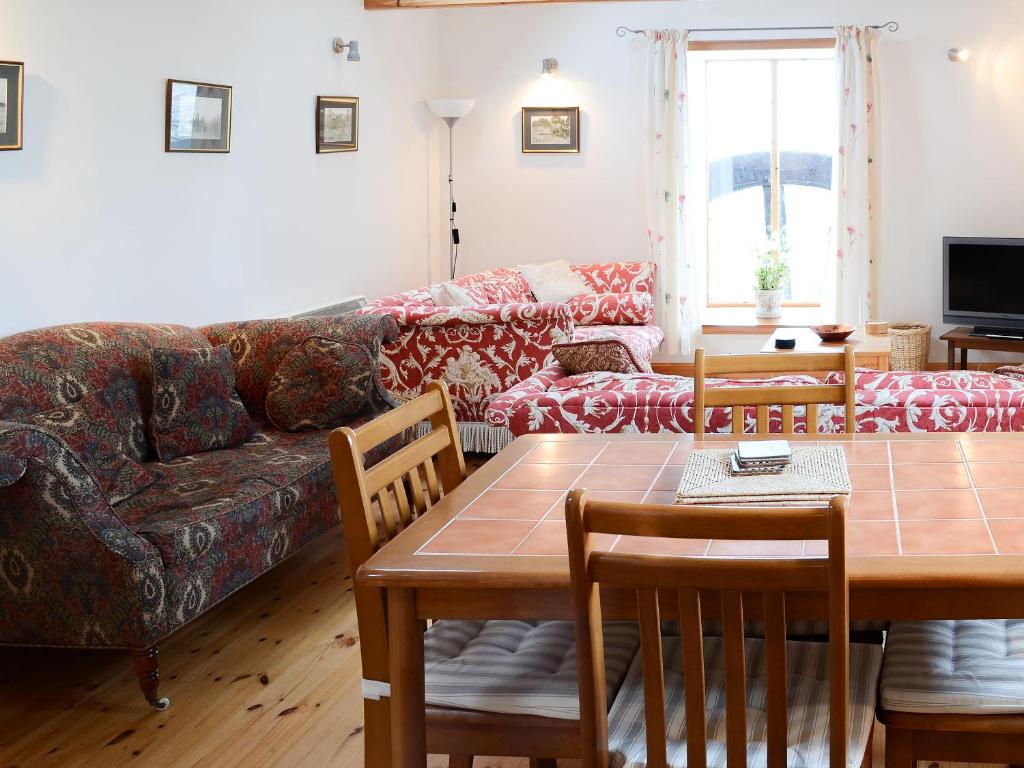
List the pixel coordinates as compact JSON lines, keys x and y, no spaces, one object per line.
{"x":977,"y":496}
{"x":895,"y":505}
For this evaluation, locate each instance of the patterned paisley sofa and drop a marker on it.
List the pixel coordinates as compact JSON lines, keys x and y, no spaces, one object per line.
{"x":484,"y":350}
{"x":79,"y":571}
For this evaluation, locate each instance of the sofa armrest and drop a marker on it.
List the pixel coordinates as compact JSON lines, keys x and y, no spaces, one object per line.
{"x":478,"y":351}
{"x":43,"y":462}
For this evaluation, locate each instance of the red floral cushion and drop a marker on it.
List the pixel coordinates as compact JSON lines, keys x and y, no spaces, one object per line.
{"x":320,"y":384}
{"x":612,"y":355}
{"x":195,"y":406}
{"x":102,"y":430}
{"x":612,"y":309}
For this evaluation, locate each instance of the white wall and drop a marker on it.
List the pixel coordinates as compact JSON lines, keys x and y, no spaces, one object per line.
{"x":97,"y":222}
{"x":952,"y":135}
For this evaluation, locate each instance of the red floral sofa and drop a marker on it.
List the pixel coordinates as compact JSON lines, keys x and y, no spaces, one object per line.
{"x":77,"y":570}
{"x":482,"y":351}
{"x":946,"y":401}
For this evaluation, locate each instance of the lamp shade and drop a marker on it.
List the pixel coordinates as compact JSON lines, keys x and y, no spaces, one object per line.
{"x":451,"y":108}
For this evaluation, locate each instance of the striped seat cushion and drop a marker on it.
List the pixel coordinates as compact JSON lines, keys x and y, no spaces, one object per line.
{"x":517,"y":667}
{"x":808,"y":694}
{"x":963,"y":667}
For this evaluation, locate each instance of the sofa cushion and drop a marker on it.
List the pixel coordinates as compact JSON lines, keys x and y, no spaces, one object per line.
{"x":195,"y":406}
{"x":612,"y":309}
{"x":553,"y":281}
{"x":644,"y":340}
{"x":618,"y":276}
{"x":517,"y":667}
{"x":590,"y":356}
{"x":104,"y":430}
{"x":450,"y":294}
{"x":953,"y":381}
{"x":1011,"y":371}
{"x":961,"y":667}
{"x":319,"y":385}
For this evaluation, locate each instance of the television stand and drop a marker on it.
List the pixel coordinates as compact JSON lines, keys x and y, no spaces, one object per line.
{"x":964,"y":338}
{"x":997,"y":333}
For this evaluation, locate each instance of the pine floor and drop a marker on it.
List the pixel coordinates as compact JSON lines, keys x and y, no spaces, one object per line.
{"x":270,"y":677}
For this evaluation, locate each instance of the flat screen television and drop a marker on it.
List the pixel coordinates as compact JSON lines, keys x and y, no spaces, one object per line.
{"x":983,"y":284}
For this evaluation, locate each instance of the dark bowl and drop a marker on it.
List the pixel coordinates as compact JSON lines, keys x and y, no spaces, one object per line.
{"x":833,"y":333}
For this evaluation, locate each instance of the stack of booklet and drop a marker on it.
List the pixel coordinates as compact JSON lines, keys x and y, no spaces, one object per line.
{"x":769,"y":457}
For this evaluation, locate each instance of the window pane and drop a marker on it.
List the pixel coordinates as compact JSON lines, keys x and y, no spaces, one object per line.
{"x":739,"y":142}
{"x":807,"y":136}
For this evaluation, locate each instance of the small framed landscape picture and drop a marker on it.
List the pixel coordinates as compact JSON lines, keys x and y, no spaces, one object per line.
{"x":198,"y":117}
{"x":337,"y":124}
{"x":551,"y":129}
{"x":12,"y":95}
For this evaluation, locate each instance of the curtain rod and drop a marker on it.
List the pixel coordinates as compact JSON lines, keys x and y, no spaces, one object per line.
{"x":891,"y":26}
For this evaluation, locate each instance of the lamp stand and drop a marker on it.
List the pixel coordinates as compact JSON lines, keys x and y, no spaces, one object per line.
{"x":453,"y":231}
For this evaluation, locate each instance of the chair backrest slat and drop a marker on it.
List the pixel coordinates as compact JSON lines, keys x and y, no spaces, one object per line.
{"x":693,"y":677}
{"x":654,"y":675}
{"x":763,"y":398}
{"x":376,"y":504}
{"x":735,"y":677}
{"x":736,"y":581}
{"x":775,"y":675}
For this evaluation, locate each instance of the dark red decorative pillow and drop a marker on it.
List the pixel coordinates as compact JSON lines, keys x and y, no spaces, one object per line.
{"x":195,"y":406}
{"x":320,"y":384}
{"x":1012,"y":371}
{"x":593,"y":355}
{"x":103,"y":430}
{"x":612,"y":309}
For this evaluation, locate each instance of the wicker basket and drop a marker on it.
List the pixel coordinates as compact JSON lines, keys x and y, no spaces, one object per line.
{"x":910,"y":345}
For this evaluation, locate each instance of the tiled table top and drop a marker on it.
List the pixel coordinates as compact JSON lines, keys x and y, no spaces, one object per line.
{"x":942,"y":497}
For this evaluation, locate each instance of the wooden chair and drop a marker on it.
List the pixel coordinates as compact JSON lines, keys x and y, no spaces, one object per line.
{"x":762,"y":397}
{"x":376,"y":505}
{"x":962,"y":706}
{"x":684,"y":679}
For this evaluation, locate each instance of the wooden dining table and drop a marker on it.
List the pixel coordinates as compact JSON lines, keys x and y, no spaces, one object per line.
{"x":935,"y":531}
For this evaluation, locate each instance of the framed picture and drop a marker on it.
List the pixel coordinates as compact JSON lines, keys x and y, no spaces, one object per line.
{"x":337,"y":124}
{"x":198,"y":117}
{"x":551,"y":129}
{"x":12,"y":96}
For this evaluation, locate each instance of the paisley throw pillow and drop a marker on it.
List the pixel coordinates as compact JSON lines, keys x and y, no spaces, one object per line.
{"x":195,"y":406}
{"x":320,"y":384}
{"x":103,"y":430}
{"x":596,"y":355}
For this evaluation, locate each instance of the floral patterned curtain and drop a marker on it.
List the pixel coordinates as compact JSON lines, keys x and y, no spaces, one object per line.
{"x":666,"y":137}
{"x":855,"y":173}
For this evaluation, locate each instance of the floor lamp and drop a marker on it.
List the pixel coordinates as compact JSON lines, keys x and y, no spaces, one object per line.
{"x":450,"y":110}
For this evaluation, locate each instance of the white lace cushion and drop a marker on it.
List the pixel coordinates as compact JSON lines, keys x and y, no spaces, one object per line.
{"x":553,"y":281}
{"x":963,"y":667}
{"x":807,"y":692}
{"x":450,"y":295}
{"x":517,"y":667}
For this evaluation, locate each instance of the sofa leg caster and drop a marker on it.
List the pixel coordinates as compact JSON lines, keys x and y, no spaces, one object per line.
{"x":147,"y":670}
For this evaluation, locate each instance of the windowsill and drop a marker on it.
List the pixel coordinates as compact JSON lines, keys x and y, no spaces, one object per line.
{"x":743,"y":320}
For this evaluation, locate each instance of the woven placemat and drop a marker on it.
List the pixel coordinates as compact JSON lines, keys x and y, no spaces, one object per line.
{"x":814,"y":475}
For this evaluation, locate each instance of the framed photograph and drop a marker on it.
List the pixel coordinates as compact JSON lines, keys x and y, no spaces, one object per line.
{"x":337,"y":124}
{"x":12,"y":96}
{"x":551,"y":129}
{"x":198,"y":117}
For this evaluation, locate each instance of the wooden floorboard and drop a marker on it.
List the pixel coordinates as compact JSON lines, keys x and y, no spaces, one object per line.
{"x":270,"y":677}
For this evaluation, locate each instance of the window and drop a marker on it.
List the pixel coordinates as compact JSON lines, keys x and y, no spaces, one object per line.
{"x":763,"y":131}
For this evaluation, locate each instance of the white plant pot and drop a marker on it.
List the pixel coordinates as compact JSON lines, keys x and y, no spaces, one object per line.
{"x":769,"y":303}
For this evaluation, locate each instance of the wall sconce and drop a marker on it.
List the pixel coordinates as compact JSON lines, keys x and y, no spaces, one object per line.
{"x":340,"y":45}
{"x":959,"y":55}
{"x":549,"y":67}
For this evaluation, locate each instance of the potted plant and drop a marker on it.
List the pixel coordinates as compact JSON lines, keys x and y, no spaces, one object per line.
{"x":769,"y":278}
